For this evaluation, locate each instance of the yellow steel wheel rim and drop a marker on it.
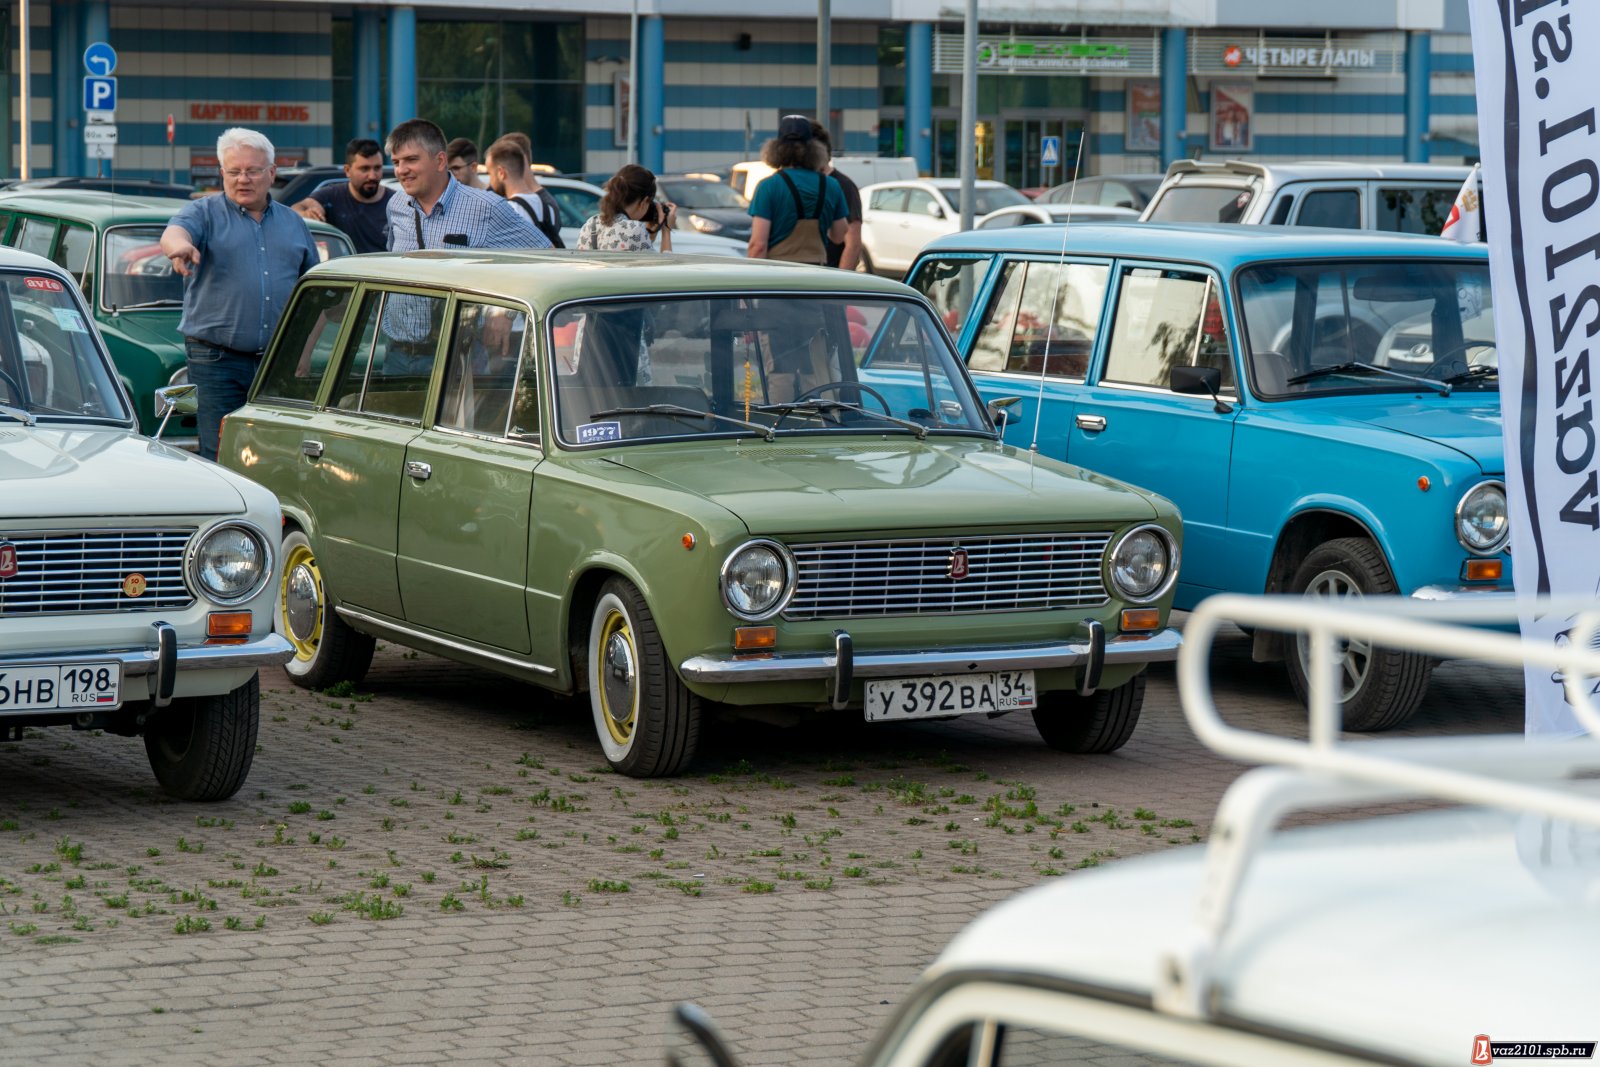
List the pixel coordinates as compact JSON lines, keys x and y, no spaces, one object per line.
{"x":301,"y":566}
{"x":616,"y":677}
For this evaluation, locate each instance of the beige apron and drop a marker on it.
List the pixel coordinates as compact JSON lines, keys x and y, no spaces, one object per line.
{"x":804,"y":243}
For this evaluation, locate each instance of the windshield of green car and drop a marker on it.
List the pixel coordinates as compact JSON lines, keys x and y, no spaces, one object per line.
{"x":1356,"y":327}
{"x":134,"y":275}
{"x":51,"y":368}
{"x":755,"y":365}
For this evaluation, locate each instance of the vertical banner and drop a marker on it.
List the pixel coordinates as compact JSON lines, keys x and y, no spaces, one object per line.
{"x":1144,"y":117}
{"x":1231,"y":106}
{"x":1534,"y":62}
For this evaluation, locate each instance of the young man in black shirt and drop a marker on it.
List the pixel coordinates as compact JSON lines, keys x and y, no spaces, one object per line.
{"x":359,"y":206}
{"x":847,"y":255}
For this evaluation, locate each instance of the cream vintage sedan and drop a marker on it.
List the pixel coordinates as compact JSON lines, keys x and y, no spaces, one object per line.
{"x":136,"y":580}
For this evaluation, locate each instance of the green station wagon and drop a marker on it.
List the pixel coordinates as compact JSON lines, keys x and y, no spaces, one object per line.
{"x":111,"y":244}
{"x":688,"y":486}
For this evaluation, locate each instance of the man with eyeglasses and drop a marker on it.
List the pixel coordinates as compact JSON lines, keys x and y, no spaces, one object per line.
{"x":240,"y":255}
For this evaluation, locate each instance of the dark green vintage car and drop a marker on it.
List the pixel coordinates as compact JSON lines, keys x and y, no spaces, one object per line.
{"x":111,"y":244}
{"x":684,"y":485}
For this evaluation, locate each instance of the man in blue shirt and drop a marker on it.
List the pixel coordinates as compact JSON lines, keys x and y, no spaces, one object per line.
{"x":240,"y":255}
{"x":437,"y":212}
{"x":797,"y":207}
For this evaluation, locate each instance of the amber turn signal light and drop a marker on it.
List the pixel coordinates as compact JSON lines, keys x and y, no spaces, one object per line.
{"x":1135,"y":620}
{"x":229,"y":623}
{"x":754,"y":638}
{"x":1482,"y":570}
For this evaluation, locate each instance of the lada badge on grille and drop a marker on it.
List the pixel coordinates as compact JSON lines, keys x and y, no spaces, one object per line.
{"x":133,"y":585}
{"x":8,"y":560}
{"x":960,"y":566}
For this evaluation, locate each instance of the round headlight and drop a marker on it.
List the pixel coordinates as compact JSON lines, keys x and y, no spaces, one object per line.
{"x":1142,"y":564}
{"x":230,"y":563}
{"x":757,"y":580}
{"x":1482,"y":524}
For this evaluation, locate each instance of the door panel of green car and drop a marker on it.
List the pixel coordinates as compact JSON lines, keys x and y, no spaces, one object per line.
{"x":462,"y":552}
{"x":353,"y":486}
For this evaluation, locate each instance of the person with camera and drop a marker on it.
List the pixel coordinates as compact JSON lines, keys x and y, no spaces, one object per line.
{"x":630,"y":215}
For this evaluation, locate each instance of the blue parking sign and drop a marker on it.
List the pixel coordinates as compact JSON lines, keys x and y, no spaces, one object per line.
{"x":99,"y":94}
{"x":1050,"y":151}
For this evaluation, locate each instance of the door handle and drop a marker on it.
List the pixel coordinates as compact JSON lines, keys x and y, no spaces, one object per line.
{"x":312,"y":448}
{"x":420,"y":471}
{"x":1094,"y":423}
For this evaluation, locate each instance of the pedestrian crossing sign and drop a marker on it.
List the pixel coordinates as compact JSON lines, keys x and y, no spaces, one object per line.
{"x":1050,"y":152}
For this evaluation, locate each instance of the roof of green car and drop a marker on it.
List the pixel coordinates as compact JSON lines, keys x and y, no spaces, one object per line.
{"x":102,"y":209}
{"x":548,"y":277}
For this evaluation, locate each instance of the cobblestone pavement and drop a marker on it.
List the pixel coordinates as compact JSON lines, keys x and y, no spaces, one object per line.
{"x":438,"y":868}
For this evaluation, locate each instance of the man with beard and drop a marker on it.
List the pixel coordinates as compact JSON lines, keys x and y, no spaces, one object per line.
{"x":359,"y":207}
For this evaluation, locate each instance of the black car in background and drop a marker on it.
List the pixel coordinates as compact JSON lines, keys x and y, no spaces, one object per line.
{"x":125,"y":186}
{"x":707,"y":205}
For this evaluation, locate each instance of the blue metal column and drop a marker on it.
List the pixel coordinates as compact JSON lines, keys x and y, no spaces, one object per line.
{"x":95,"y":25}
{"x":66,"y":77}
{"x":402,"y":65}
{"x":652,"y":93}
{"x":1174,"y":95}
{"x":919,"y":94}
{"x":367,"y":80}
{"x":1419,"y":75}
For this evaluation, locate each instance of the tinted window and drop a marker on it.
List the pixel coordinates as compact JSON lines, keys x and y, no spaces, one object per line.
{"x":387,"y":370}
{"x":480,"y":376}
{"x":306,"y":345}
{"x":1166,"y":319}
{"x":1414,"y":210}
{"x":1044,"y":320}
{"x":1203,"y":203}
{"x":36,"y":236}
{"x":1339,"y":208}
{"x":951,"y":285}
{"x":1280,"y":211}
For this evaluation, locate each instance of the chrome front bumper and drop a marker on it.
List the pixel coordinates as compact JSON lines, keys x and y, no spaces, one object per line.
{"x":843,"y":664}
{"x":166,"y":660}
{"x":1476,"y":594}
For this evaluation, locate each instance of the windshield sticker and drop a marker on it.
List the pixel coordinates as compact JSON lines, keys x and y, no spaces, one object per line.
{"x":593,"y":433}
{"x":69,"y":320}
{"x":48,"y":285}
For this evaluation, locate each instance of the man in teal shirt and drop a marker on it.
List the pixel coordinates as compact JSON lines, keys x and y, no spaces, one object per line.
{"x":798,"y":192}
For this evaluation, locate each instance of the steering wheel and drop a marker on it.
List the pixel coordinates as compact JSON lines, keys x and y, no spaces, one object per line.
{"x":11,"y":387}
{"x":826,"y":386}
{"x":1445,"y":364}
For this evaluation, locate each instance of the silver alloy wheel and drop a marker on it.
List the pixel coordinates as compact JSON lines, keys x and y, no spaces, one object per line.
{"x":1355,"y":656}
{"x":300,"y":607}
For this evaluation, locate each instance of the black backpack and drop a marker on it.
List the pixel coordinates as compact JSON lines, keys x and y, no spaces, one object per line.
{"x":551,"y":229}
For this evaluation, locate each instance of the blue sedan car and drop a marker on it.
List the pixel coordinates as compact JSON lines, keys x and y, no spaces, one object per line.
{"x":1322,"y":405}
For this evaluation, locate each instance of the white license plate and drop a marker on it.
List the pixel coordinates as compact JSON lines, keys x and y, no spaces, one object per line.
{"x":78,"y":687}
{"x":949,"y":694}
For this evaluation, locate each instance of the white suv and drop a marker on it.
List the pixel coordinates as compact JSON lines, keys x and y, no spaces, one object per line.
{"x":1397,"y":197}
{"x":899,"y":218}
{"x":137,"y":581}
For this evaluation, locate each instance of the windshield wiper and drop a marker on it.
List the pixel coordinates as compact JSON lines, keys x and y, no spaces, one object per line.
{"x":1472,"y":374}
{"x":164,"y":302}
{"x":689,"y":413}
{"x":1367,"y":368}
{"x":9,"y":412}
{"x":817,"y":407}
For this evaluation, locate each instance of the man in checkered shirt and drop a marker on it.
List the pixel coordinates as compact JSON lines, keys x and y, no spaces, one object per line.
{"x":437,"y":212}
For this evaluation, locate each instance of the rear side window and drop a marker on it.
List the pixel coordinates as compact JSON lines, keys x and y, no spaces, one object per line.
{"x":1338,"y":208}
{"x":950,"y":286}
{"x":1414,"y":209}
{"x":1167,"y":319}
{"x":306,"y":346}
{"x":1044,"y":319}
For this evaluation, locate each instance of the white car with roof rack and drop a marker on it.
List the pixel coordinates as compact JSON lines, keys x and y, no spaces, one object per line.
{"x":137,"y":581}
{"x":1445,"y":936}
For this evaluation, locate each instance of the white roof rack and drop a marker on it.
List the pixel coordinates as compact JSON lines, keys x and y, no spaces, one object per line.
{"x":1507,"y":772}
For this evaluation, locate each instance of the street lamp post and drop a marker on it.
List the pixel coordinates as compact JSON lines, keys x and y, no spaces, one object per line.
{"x":969,"y":114}
{"x":824,"y":59}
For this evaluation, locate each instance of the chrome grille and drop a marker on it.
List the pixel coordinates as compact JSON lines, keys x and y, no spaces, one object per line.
{"x":852,"y":580}
{"x":80,"y":572}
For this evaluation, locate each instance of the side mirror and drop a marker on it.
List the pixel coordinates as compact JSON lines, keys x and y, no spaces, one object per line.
{"x":999,"y":412}
{"x":1200,"y":381}
{"x":693,"y":1020}
{"x":175,"y":399}
{"x":935,"y":210}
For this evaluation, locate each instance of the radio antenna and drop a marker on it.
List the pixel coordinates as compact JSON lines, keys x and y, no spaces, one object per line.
{"x":1055,"y":295}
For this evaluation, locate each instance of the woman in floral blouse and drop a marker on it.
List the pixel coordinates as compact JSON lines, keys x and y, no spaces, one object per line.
{"x":630,"y":215}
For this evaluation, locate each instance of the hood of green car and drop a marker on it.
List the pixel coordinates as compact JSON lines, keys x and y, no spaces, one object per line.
{"x":800,"y":486}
